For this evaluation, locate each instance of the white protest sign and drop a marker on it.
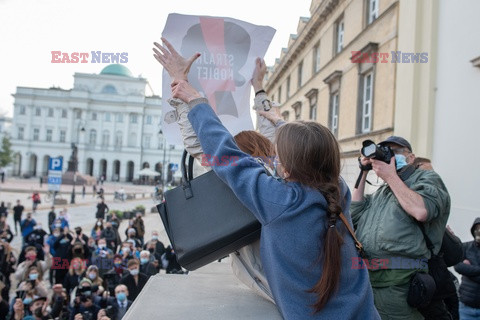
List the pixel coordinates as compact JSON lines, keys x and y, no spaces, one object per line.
{"x":223,"y":72}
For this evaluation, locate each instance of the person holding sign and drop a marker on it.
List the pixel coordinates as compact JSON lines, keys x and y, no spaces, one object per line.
{"x":309,"y":273}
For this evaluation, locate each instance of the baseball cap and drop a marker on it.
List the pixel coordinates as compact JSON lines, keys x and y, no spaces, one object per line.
{"x":397,"y":140}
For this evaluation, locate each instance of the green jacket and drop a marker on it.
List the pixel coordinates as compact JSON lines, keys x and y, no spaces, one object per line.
{"x":387,"y":231}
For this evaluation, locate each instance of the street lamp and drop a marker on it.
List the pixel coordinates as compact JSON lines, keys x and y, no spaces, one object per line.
{"x":74,"y":165}
{"x":164,"y":142}
{"x":74,"y":159}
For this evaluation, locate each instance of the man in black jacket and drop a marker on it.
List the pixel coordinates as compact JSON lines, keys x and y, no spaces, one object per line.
{"x":470,"y":271}
{"x":51,"y":218}
{"x":117,"y":306}
{"x":136,"y":280}
{"x":102,"y":208}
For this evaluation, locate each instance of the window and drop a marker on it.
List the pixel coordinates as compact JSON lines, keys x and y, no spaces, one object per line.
{"x":107,"y":116}
{"x":105,"y":138}
{"x":146,"y":141}
{"x":109,"y":89}
{"x":133,"y":118}
{"x":36,"y":134}
{"x":93,"y":137}
{"x":148,"y":120}
{"x":300,"y":74}
{"x":316,"y":58}
{"x":366,"y":125}
{"x":94,"y":116}
{"x":119,"y":117}
{"x":285,"y":115}
{"x":132,"y":140}
{"x":50,"y":112}
{"x":333,"y":113}
{"x":64,"y":113}
{"x":22,"y":110}
{"x":288,"y":87}
{"x":297,"y":107}
{"x":38,"y":112}
{"x":372,"y":10}
{"x":339,"y":36}
{"x":49,"y":135}
{"x":280,"y":94}
{"x":313,"y":106}
{"x":63,"y":135}
{"x":21,"y":131}
{"x":118,"y":140}
{"x":78,"y":114}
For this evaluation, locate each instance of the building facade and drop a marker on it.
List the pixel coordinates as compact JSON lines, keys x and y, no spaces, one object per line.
{"x":433,"y":103}
{"x":317,"y":77}
{"x":116,"y":128}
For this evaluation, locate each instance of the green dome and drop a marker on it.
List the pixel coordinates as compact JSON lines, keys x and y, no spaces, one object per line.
{"x":117,"y":70}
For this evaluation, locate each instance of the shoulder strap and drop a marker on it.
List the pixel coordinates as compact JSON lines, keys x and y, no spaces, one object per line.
{"x":429,"y":243}
{"x":358,"y":244}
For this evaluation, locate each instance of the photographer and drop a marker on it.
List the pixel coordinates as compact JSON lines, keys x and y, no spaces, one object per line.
{"x":33,"y":283}
{"x":85,"y":301}
{"x":387,"y":222}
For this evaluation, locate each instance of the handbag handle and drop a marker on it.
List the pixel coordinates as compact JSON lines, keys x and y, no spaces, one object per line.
{"x":186,"y":186}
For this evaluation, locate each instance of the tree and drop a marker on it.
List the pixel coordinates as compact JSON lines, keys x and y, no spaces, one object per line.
{"x":6,"y":154}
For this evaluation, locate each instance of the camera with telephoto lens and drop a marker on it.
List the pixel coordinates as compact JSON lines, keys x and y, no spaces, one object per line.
{"x":86,"y":292}
{"x":371,"y":150}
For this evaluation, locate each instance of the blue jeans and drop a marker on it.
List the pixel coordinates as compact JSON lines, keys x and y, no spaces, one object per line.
{"x":468,"y":313}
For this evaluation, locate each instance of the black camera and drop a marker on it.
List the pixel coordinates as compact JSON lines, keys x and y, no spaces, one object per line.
{"x":86,"y":292}
{"x":371,"y":150}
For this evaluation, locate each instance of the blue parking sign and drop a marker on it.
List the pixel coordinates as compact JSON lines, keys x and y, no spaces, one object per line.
{"x":55,"y":166}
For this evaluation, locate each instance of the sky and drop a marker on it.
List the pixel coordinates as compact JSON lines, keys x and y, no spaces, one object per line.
{"x":31,"y":29}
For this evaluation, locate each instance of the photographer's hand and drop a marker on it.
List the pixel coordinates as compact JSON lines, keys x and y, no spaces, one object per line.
{"x":177,"y":66}
{"x":357,"y":194}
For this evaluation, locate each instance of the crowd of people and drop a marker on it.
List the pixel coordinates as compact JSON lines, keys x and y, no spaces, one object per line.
{"x":319,"y":273}
{"x":64,"y":272}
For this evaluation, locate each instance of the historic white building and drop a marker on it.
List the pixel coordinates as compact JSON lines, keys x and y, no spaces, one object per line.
{"x":114,"y":125}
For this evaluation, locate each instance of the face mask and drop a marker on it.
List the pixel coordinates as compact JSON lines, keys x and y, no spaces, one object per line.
{"x":143,"y":260}
{"x":58,"y":225}
{"x":154,"y":237}
{"x":92,"y":275}
{"x":126,"y":250}
{"x":33,"y":276}
{"x":101,"y":246}
{"x":27,"y":300}
{"x":99,"y":224}
{"x":134,"y":272}
{"x":32,"y":257}
{"x":56,"y":234}
{"x":400,"y":161}
{"x":121,"y":296}
{"x":476,"y":235}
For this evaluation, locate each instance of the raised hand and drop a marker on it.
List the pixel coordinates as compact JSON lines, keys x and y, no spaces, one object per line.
{"x":259,"y":74}
{"x":177,"y":66}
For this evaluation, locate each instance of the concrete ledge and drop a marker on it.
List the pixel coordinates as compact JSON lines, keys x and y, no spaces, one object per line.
{"x":209,"y":293}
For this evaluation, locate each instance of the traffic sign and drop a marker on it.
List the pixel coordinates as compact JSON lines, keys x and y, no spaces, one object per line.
{"x":173,"y":167}
{"x":55,"y":166}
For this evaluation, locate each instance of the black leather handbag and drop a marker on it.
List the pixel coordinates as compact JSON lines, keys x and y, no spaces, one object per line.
{"x":204,"y":220}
